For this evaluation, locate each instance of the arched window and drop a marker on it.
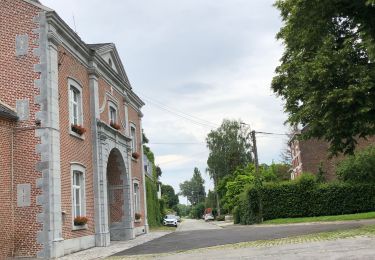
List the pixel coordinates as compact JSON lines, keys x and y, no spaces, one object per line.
{"x":75,"y":103}
{"x":78,"y":191}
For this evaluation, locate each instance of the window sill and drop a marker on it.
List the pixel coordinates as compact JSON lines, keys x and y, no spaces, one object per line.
{"x":134,"y":160}
{"x":83,"y":227}
{"x":74,"y":134}
{"x":138,"y":221}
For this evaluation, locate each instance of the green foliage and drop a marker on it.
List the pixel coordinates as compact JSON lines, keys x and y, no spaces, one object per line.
{"x":327,"y":74}
{"x":184,"y":210}
{"x":304,"y":198}
{"x":275,"y":172}
{"x":194,"y":188}
{"x":210,"y":199}
{"x":320,"y":176}
{"x":244,"y":177}
{"x":229,"y":148}
{"x":197,"y":211}
{"x":169,"y":196}
{"x":153,"y":207}
{"x":359,"y":167}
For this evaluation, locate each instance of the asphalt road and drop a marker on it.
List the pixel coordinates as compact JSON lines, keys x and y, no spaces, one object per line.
{"x":186,"y":240}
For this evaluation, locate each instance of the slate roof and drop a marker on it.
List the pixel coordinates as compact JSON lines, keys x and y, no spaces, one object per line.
{"x":7,"y":112}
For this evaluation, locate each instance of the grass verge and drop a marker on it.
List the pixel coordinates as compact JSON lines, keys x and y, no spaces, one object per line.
{"x":358,"y":216}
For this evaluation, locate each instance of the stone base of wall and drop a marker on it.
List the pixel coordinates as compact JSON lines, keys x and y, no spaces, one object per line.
{"x":140,"y":230}
{"x":77,"y":244}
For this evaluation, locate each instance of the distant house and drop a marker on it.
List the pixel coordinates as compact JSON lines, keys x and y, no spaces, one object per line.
{"x":310,"y":155}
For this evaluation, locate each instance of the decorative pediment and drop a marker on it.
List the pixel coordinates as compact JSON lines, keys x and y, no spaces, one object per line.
{"x":108,"y":52}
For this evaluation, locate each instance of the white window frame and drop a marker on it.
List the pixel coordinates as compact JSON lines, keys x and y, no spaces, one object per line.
{"x":136,"y":196}
{"x":75,"y":169}
{"x":113,"y":106}
{"x":134,"y":138}
{"x":76,"y":87}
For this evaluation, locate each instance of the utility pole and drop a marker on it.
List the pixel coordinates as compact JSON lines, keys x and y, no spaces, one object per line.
{"x":258,"y":181}
{"x":255,"y":151}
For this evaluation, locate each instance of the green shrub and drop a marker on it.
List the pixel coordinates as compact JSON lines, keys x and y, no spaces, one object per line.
{"x":359,"y":168}
{"x":304,"y":198}
{"x":197,"y":211}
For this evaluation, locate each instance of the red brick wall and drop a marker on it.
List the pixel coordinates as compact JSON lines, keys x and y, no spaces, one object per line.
{"x":72,"y":148}
{"x":314,"y":152}
{"x":17,"y":82}
{"x":6,"y":213}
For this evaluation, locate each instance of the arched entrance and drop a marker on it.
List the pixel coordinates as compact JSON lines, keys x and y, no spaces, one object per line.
{"x":118,"y":198}
{"x":113,"y":201}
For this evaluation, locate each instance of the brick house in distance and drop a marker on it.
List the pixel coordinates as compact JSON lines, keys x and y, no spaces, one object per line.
{"x":310,"y":155}
{"x":71,"y":139}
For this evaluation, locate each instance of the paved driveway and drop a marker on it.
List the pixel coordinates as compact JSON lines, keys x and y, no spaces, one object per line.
{"x":192,"y":224}
{"x":186,"y":240}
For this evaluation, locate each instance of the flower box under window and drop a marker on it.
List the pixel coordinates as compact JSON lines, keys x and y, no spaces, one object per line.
{"x":136,"y":155}
{"x":78,"y":129}
{"x":115,"y":125}
{"x":80,"y":221}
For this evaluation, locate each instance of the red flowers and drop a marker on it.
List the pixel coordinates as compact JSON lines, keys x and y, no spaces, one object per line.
{"x":78,"y":129}
{"x":80,"y":220}
{"x":115,"y":125}
{"x":135,"y":155}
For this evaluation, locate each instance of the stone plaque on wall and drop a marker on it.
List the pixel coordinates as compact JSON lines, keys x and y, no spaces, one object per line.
{"x":22,"y":44}
{"x":23,"y":195}
{"x":23,"y":109}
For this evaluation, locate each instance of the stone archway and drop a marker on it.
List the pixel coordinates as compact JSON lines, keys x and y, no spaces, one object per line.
{"x":118,"y":197}
{"x":113,"y":200}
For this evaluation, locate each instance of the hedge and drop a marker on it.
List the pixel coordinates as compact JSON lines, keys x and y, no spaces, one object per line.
{"x":304,"y":199}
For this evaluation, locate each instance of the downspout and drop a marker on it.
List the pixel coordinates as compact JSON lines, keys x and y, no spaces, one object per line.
{"x":11,"y":186}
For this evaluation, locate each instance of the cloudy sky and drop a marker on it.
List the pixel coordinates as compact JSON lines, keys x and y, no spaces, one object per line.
{"x":194,"y":63}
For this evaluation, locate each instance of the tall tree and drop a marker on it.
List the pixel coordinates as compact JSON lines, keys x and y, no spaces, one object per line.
{"x":230,"y":148}
{"x":327,"y":73}
{"x":194,"y":188}
{"x":169,"y":196}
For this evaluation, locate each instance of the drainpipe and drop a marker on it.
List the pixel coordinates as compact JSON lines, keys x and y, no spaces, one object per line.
{"x":12,"y":184}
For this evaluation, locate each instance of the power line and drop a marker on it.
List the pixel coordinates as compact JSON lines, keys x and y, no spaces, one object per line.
{"x":194,"y":119}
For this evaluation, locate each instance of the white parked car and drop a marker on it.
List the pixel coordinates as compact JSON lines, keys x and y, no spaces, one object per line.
{"x":208,"y":217}
{"x":170,"y":220}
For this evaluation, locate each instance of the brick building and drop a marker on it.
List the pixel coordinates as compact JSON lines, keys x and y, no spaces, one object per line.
{"x":310,"y":155}
{"x":71,"y":139}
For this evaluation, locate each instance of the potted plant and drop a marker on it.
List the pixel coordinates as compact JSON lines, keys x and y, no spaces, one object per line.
{"x":78,"y":129}
{"x":80,"y":220}
{"x":135,"y":155}
{"x":137,"y":216}
{"x":115,"y":125}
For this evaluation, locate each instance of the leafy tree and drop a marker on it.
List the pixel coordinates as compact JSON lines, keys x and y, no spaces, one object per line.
{"x":194,"y":189}
{"x":184,"y":210}
{"x":158,"y":172}
{"x":229,"y":148}
{"x":197,"y":210}
{"x":327,"y":74}
{"x":168,"y":194}
{"x":275,"y":172}
{"x":244,"y":177}
{"x":211,"y":200}
{"x":358,"y":168}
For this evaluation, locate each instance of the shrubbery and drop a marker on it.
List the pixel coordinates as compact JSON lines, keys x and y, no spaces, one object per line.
{"x":197,"y":211}
{"x":359,"y":168}
{"x":304,"y":197}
